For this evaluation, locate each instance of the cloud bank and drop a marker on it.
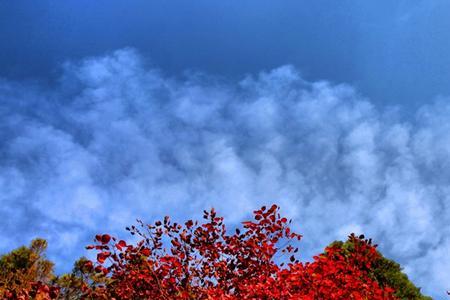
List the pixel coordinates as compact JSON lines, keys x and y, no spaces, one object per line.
{"x":117,"y":140}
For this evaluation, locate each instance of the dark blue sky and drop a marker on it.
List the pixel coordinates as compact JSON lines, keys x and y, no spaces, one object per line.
{"x":392,"y":51}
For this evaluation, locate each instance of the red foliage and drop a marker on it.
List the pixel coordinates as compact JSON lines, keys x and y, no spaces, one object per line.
{"x":37,"y":290}
{"x":202,"y":261}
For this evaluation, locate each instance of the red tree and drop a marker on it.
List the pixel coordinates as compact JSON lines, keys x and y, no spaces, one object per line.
{"x":203,"y":261}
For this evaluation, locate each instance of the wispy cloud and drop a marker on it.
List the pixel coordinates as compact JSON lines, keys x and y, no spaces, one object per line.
{"x":117,"y":140}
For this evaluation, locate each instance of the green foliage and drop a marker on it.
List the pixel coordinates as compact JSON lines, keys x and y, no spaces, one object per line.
{"x":30,"y":259}
{"x":72,"y":284}
{"x":389,"y":273}
{"x":22,"y":266}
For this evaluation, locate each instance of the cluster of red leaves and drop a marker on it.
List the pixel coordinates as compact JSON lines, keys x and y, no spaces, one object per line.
{"x":335,"y":275}
{"x":36,"y":290}
{"x":202,"y":261}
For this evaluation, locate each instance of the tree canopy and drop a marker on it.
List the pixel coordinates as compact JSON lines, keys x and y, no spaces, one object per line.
{"x":206,"y":260}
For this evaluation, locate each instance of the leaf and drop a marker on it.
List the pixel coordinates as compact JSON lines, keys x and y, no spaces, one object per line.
{"x":102,"y":256}
{"x":105,"y":238}
{"x":121,"y":244}
{"x":145,"y":252}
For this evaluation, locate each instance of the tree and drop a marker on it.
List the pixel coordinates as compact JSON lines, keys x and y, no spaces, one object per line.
{"x":205,"y":260}
{"x":202,"y":261}
{"x":72,"y":286}
{"x":22,"y":269}
{"x":388,"y":273}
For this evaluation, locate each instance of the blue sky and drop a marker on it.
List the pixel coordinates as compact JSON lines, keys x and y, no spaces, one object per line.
{"x":336,"y":110}
{"x":393,"y":51}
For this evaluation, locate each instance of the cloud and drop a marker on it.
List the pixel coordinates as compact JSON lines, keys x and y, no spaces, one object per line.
{"x":117,"y":140}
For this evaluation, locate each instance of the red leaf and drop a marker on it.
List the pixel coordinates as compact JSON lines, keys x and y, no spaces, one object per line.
{"x":105,"y":238}
{"x":189,"y":224}
{"x":145,"y":252}
{"x":102,"y":256}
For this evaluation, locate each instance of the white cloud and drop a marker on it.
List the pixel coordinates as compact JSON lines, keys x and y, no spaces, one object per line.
{"x":117,"y":141}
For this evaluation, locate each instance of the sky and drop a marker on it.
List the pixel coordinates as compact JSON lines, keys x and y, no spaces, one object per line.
{"x":336,"y":110}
